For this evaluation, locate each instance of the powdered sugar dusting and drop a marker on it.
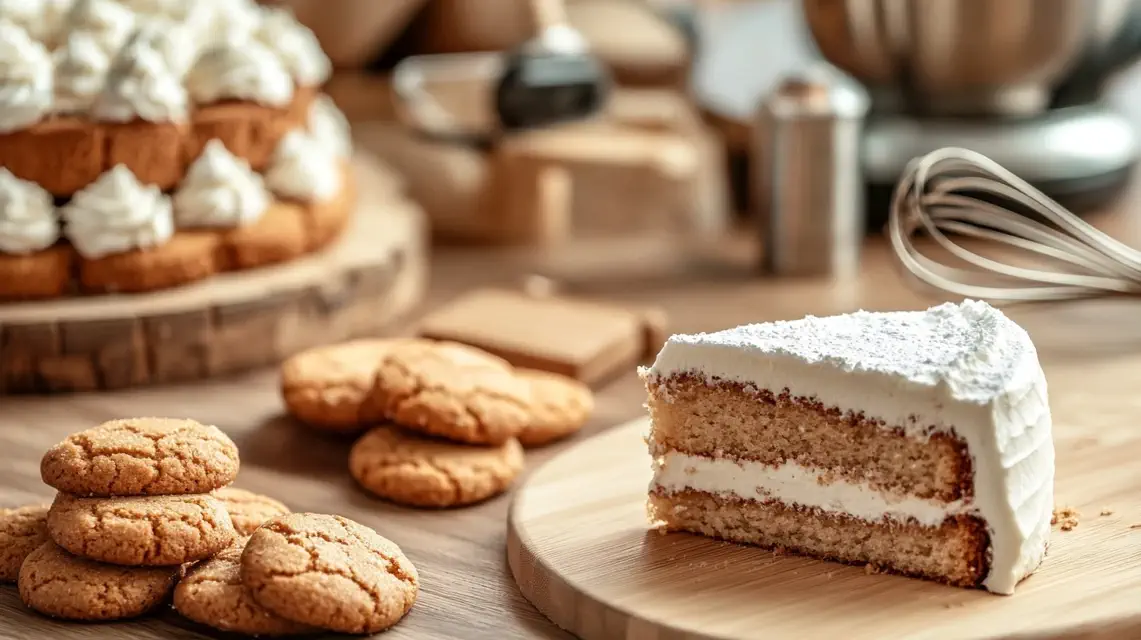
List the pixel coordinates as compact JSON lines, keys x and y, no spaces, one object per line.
{"x":972,"y":347}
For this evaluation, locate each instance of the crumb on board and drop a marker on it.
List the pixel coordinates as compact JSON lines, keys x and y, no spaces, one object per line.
{"x":779,"y":551}
{"x":871,"y":569}
{"x":1105,"y":511}
{"x":1066,"y":518}
{"x":1135,"y":526}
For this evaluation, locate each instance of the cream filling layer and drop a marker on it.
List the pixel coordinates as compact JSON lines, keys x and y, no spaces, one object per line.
{"x":795,"y":484}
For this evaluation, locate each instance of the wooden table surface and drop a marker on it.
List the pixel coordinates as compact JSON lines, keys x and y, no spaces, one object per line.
{"x":467,"y":590}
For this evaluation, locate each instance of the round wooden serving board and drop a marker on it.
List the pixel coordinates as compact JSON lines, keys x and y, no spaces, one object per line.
{"x":581,"y":549}
{"x":231,"y":322}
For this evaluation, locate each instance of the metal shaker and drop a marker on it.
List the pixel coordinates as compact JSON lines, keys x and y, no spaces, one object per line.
{"x":808,"y":184}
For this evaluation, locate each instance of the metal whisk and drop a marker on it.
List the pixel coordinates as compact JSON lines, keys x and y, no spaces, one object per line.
{"x":956,"y":193}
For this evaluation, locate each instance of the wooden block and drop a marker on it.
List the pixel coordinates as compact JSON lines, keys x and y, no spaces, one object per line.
{"x":585,"y":340}
{"x":116,"y":347}
{"x":245,"y":335}
{"x":68,"y":373}
{"x":21,"y":345}
{"x":178,"y":345}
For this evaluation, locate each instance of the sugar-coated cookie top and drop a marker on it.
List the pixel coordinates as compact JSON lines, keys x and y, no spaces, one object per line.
{"x":971,"y":347}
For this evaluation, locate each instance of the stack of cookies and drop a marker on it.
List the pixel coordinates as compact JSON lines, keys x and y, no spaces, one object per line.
{"x":143,"y":505}
{"x":134,"y":505}
{"x":446,"y":422}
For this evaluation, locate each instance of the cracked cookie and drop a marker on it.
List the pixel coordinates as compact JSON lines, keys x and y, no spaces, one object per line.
{"x":141,"y":531}
{"x":450,"y":390}
{"x":326,"y":387}
{"x":59,"y":584}
{"x":426,"y":472}
{"x":21,"y":530}
{"x":249,"y":510}
{"x":142,"y":456}
{"x":559,"y":407}
{"x":212,"y":594}
{"x":329,"y":572}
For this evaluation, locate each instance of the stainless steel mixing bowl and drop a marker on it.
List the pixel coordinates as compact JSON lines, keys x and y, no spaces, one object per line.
{"x":991,"y":57}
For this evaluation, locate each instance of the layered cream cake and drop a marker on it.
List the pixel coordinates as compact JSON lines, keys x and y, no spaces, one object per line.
{"x":917,"y":442}
{"x":146,"y":144}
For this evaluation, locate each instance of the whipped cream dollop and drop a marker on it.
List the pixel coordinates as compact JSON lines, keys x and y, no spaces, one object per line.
{"x":31,"y":15}
{"x":173,"y":40}
{"x":295,"y":45}
{"x":329,"y":126}
{"x":109,"y":22}
{"x":240,"y":70}
{"x":28,"y":218}
{"x":220,"y":190}
{"x":25,"y":78}
{"x":141,"y":84}
{"x":303,"y":169}
{"x":81,"y":67}
{"x":117,"y":213}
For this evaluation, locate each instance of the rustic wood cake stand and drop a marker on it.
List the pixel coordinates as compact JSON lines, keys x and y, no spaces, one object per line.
{"x":233,"y":321}
{"x":582,"y":552}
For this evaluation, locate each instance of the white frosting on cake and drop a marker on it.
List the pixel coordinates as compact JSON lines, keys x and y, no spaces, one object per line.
{"x":25,"y":78}
{"x":81,"y":67}
{"x":34,"y":16}
{"x":117,"y":213}
{"x":232,"y":20}
{"x":174,"y":41}
{"x":960,"y":368}
{"x":28,"y":219}
{"x":303,"y":169}
{"x":220,"y":190}
{"x":107,"y":21}
{"x":792,"y":483}
{"x":141,"y":85}
{"x":295,"y":45}
{"x":329,"y":126}
{"x":240,"y":70}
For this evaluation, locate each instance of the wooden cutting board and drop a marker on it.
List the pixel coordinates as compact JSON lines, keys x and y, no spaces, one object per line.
{"x":581,"y":550}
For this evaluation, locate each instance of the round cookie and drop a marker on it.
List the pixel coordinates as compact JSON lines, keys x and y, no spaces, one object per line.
{"x":249,"y":510}
{"x":326,"y":387}
{"x":450,"y":390}
{"x":59,"y":584}
{"x":277,"y":236}
{"x":559,"y":407}
{"x":141,"y":531}
{"x":187,"y":257}
{"x":43,"y":274}
{"x":212,"y":594}
{"x":22,"y":530}
{"x":426,"y":472}
{"x":142,"y":456}
{"x":329,"y":572}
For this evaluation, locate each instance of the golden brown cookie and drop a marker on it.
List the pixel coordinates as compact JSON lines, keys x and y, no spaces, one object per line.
{"x":188,"y":256}
{"x":142,"y":456}
{"x":450,"y":390}
{"x":559,"y":407}
{"x":277,"y":236}
{"x":212,"y":594}
{"x":326,"y":387}
{"x":142,"y":530}
{"x":43,"y":274}
{"x":61,"y":585}
{"x":427,"y":472}
{"x":62,"y":154}
{"x":329,"y":572}
{"x":22,"y":530}
{"x":249,"y":510}
{"x":151,"y":150}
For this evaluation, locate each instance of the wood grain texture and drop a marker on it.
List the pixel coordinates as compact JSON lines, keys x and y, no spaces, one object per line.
{"x":589,"y":503}
{"x":231,"y":322}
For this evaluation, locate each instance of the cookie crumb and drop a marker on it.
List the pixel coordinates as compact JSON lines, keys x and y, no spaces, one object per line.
{"x":779,"y":551}
{"x":1066,"y":518}
{"x":871,"y":569}
{"x":1135,"y":526}
{"x":1106,"y":511}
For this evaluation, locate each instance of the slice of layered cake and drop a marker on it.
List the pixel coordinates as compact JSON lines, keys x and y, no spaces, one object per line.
{"x":918,"y":442}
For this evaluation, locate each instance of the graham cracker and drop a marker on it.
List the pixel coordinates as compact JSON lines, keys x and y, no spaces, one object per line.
{"x":585,"y":340}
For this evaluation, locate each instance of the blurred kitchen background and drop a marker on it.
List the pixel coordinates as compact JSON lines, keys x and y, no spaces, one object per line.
{"x":718,"y":117}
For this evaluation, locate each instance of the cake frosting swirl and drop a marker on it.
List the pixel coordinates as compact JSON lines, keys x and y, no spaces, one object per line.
{"x":303,"y":169}
{"x":25,"y":78}
{"x":240,"y":70}
{"x":108,"y":22}
{"x":141,"y":85}
{"x":28,"y":218}
{"x":220,"y":190}
{"x":117,"y":213}
{"x":81,"y":67}
{"x":295,"y":45}
{"x":328,"y":125}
